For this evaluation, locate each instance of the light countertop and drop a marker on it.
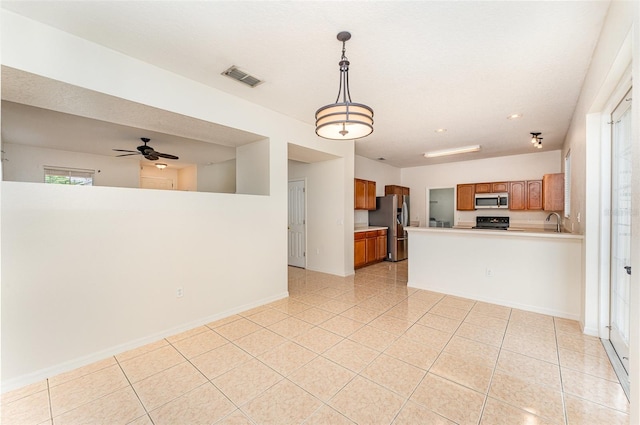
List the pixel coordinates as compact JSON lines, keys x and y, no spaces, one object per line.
{"x":368,"y":228}
{"x":511,"y":232}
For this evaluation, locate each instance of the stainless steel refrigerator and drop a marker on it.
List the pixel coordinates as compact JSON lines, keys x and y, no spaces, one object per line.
{"x":394,"y":216}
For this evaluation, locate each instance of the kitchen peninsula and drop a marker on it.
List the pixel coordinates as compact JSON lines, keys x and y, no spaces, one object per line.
{"x":539,"y":271}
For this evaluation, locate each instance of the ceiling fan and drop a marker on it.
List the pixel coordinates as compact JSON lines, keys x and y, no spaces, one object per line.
{"x":146,"y":151}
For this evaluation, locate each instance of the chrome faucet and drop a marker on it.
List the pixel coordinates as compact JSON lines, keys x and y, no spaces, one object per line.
{"x":558,"y":220}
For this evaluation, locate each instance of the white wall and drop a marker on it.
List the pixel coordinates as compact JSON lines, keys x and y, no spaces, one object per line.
{"x":379,"y":172}
{"x":324,"y":221}
{"x":228,"y":251}
{"x":252,"y":168}
{"x":219,"y":177}
{"x":26,"y":164}
{"x":188,"y":178}
{"x":507,"y":168}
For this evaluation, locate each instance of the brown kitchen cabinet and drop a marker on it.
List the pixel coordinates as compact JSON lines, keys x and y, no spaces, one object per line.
{"x":364,"y":194}
{"x":518,"y":196}
{"x":498,"y":187}
{"x":465,"y":197}
{"x":397,"y":190}
{"x":534,"y":194}
{"x":369,"y":247}
{"x":359,"y":249}
{"x":553,"y":192}
{"x":525,"y":195}
{"x":501,"y":187}
{"x":381,"y":245}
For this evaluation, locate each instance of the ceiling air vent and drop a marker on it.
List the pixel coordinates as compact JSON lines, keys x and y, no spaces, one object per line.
{"x":239,"y":75}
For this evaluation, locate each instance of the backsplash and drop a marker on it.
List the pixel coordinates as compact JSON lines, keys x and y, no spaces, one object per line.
{"x":360,"y":218}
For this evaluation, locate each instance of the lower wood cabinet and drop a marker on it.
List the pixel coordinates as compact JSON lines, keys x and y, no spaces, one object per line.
{"x":369,"y":247}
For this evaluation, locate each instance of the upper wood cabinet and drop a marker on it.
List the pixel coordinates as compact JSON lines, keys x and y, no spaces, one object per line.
{"x":465,"y":197}
{"x":517,"y":196}
{"x":371,"y":195}
{"x":553,"y":192}
{"x":534,"y":194}
{"x":525,"y":195}
{"x":500,"y":187}
{"x":397,"y":190}
{"x":483,"y":188}
{"x":364,"y":194}
{"x":492,"y":187}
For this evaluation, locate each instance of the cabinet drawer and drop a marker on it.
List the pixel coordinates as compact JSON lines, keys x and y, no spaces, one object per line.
{"x":382,"y":232}
{"x":372,"y":234}
{"x":359,"y":235}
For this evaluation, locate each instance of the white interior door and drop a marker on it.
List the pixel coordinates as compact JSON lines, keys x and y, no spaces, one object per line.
{"x":621,"y":145}
{"x":296,"y":225}
{"x":156,"y":183}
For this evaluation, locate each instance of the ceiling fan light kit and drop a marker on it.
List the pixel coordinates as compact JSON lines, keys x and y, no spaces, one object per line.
{"x":344,"y":120}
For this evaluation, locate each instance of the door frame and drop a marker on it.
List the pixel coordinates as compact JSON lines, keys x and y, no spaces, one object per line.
{"x":303,"y":180}
{"x":604,"y":275}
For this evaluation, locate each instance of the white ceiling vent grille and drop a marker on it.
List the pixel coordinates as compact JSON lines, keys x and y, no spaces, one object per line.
{"x":239,"y":75}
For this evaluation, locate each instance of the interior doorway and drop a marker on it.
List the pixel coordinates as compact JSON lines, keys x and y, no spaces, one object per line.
{"x":621,"y":230}
{"x":441,"y":207}
{"x":296,"y":226}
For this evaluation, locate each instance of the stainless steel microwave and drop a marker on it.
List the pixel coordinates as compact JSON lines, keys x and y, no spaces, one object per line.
{"x":491,"y":200}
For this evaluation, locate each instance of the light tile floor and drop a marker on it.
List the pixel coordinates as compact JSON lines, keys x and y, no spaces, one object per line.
{"x":364,"y":349}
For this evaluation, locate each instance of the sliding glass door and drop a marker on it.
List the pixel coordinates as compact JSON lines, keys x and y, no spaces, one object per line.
{"x":620,"y":278}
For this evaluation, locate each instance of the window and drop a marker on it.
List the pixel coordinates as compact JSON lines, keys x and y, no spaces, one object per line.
{"x":72,"y":176}
{"x":567,"y":185}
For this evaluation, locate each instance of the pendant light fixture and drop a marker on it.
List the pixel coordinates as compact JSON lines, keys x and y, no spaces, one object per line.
{"x":344,"y":120}
{"x":536,"y":140}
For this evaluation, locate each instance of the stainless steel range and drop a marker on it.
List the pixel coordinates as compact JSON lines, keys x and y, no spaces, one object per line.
{"x":492,"y":223}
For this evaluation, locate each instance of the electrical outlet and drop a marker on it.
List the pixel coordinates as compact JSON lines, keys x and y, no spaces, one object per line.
{"x":317,"y":250}
{"x":179,"y":292}
{"x":489,"y":272}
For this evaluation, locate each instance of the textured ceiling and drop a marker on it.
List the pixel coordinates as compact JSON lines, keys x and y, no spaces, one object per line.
{"x":421,"y":65}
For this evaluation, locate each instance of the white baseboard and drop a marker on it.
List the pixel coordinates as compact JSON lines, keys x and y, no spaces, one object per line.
{"x":532,"y":308}
{"x":39,"y":375}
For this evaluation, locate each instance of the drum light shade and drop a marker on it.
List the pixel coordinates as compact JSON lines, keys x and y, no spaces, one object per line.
{"x":344,"y":120}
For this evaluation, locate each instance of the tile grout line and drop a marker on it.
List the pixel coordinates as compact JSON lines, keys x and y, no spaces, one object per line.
{"x":49,"y":398}
{"x":564,"y":402}
{"x":495,"y":368}
{"x":134,"y":390}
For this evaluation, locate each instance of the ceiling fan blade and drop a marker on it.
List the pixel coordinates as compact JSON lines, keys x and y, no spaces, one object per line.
{"x":151,"y":157}
{"x":123,"y":150}
{"x":127,"y":154}
{"x":166,"y":155}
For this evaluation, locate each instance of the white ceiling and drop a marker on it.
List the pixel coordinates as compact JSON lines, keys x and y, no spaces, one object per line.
{"x":421,"y":65}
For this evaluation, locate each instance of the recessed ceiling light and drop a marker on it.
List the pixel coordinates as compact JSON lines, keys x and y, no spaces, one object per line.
{"x":453,"y":151}
{"x":441,"y":130}
{"x":514,"y":116}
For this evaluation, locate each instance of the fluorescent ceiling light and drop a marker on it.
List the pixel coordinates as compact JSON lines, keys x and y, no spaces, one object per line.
{"x":454,"y":151}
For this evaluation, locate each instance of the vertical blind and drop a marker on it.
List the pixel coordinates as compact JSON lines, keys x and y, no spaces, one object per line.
{"x":567,"y":184}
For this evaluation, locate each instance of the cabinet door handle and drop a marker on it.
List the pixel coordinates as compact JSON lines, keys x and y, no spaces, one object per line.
{"x":628,"y":269}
